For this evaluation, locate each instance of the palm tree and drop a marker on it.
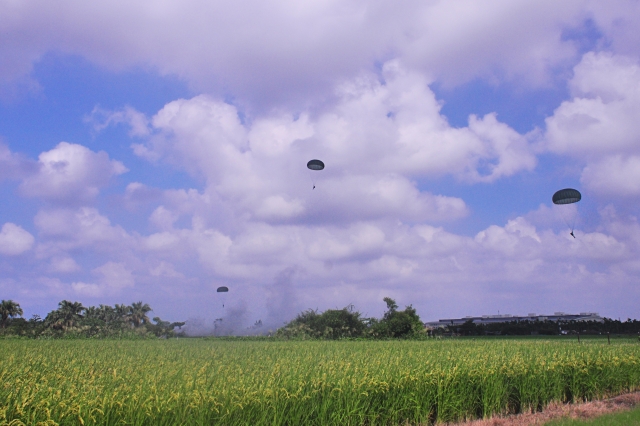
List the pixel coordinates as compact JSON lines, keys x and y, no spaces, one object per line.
{"x":122,"y":312}
{"x":70,"y":312}
{"x":138,"y":313}
{"x":9,"y":309}
{"x":106,"y":313}
{"x":92,"y":312}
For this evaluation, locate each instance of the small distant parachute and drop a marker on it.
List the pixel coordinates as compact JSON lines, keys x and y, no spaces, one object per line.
{"x":223,"y":289}
{"x":315,"y":165}
{"x":568,"y":196}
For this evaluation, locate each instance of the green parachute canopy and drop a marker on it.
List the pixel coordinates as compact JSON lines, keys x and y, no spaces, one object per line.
{"x":222,"y":289}
{"x":315,"y":165}
{"x":566,"y":196}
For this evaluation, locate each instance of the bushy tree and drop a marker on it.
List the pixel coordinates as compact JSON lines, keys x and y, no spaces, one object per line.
{"x":9,"y":309}
{"x":331,"y":324}
{"x":398,"y":324}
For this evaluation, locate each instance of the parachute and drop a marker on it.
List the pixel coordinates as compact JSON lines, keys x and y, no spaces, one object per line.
{"x":223,"y":290}
{"x":567,"y":196}
{"x":315,"y":165}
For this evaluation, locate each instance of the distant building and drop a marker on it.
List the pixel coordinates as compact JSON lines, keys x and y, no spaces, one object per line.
{"x":491,"y":319}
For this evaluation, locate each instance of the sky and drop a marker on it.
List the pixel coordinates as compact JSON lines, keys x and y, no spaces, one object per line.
{"x":156,"y":150}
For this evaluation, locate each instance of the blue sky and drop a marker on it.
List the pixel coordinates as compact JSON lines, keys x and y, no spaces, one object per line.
{"x":154,"y":152}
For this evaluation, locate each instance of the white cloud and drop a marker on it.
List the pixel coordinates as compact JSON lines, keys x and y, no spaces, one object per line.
{"x":137,"y":194}
{"x":614,"y":175}
{"x":71,"y":173}
{"x":112,"y":278}
{"x":619,"y":24}
{"x":302,"y":49}
{"x":347,"y":82}
{"x":64,"y":264}
{"x":162,"y":241}
{"x":14,"y":166}
{"x":277,"y":207}
{"x":85,"y":227}
{"x":600,"y":124}
{"x":374,"y":140}
{"x":601,"y":119}
{"x":137,"y":121}
{"x":165,"y":269}
{"x":14,"y":240}
{"x":87,"y":289}
{"x":115,"y":275}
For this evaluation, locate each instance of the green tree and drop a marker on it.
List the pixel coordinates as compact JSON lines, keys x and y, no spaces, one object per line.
{"x":397,"y":324}
{"x":9,"y":309}
{"x":331,"y":324}
{"x":66,"y":316}
{"x":138,"y":314}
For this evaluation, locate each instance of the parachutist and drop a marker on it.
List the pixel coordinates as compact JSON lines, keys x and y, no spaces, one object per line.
{"x":315,"y":165}
{"x":567,"y":196}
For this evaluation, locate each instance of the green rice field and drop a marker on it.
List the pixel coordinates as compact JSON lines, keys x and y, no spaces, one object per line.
{"x":261,"y":382}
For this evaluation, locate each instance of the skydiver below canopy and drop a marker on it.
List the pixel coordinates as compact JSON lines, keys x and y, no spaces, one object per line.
{"x":223,"y":289}
{"x":315,"y":165}
{"x":567,"y":196}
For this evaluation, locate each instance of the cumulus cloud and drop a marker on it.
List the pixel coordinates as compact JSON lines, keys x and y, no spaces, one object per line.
{"x":614,"y":175}
{"x":80,"y":228}
{"x":100,"y":119}
{"x":14,"y":240}
{"x":599,"y":125}
{"x":137,"y":194}
{"x":63,"y":264}
{"x":602,"y":117}
{"x":374,"y":140}
{"x":302,"y":51}
{"x":71,"y":173}
{"x":14,"y":166}
{"x":348,"y":83}
{"x":112,"y":277}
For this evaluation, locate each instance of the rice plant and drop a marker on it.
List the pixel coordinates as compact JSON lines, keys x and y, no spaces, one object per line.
{"x":202,"y":382}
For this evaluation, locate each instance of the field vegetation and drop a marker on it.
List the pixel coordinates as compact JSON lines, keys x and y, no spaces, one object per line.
{"x":275,"y":382}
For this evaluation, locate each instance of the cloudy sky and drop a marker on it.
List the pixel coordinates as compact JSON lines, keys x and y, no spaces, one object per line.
{"x":155,"y":150}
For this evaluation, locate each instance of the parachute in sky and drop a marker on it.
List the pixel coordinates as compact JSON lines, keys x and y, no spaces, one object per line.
{"x":315,"y":165}
{"x":568,"y":196}
{"x":224,"y":290}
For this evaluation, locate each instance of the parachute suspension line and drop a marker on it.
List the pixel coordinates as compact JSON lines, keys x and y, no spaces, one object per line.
{"x":314,"y":165}
{"x":568,"y":196}
{"x":224,"y":290}
{"x":313,"y":182}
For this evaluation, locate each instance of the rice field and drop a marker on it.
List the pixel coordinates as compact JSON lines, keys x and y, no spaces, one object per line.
{"x":203,"y":382}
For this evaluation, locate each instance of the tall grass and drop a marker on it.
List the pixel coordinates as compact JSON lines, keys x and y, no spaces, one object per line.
{"x":202,"y":382}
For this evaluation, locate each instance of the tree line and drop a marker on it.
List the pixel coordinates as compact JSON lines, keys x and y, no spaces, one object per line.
{"x":550,"y":328}
{"x":349,"y":323}
{"x":72,"y":319}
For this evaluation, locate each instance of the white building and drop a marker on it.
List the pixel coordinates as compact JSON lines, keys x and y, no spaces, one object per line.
{"x":490,"y":319}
